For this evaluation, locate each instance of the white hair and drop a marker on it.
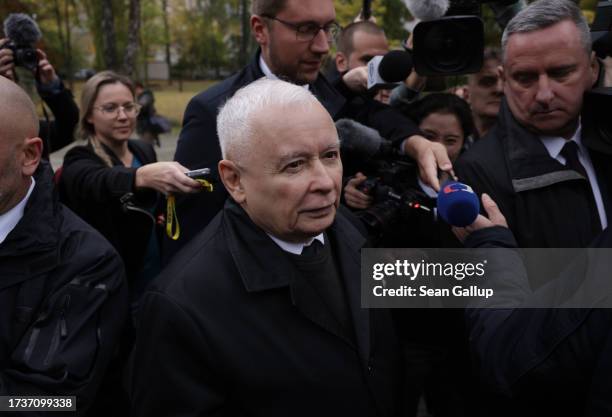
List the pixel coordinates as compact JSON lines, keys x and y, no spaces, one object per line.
{"x":235,"y":122}
{"x":546,"y":13}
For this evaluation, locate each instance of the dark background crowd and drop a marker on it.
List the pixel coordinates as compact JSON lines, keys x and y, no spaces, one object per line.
{"x":234,"y":289}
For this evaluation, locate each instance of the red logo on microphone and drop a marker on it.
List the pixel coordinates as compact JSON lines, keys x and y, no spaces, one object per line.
{"x":457,"y":186}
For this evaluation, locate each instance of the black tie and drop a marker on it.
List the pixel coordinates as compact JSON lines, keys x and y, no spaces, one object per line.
{"x":313,"y":249}
{"x":570,"y":153}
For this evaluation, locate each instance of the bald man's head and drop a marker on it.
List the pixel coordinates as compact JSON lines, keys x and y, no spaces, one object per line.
{"x":20,"y":148}
{"x":18,"y":119}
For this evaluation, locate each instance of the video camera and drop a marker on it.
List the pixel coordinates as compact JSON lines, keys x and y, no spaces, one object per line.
{"x":395,"y":197}
{"x":450,"y":39}
{"x":391,"y":182}
{"x":601,"y":29}
{"x":598,"y":101}
{"x":23,"y":33}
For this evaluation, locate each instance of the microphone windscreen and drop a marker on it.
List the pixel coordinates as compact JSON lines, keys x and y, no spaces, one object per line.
{"x":395,"y":66}
{"x":358,"y":139}
{"x":458,"y":205}
{"x":427,"y":9}
{"x":21,"y":29}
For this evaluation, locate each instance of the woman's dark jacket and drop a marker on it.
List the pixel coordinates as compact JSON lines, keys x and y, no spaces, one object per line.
{"x":106,"y":198}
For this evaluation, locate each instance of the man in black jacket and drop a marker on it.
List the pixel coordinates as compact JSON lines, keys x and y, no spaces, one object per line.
{"x":541,"y":362}
{"x":294,"y":37}
{"x":62,"y":286}
{"x":260,"y":314}
{"x":59,"y":132}
{"x":544,"y":163}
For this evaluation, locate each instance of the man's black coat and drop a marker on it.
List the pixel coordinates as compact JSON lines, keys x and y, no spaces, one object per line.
{"x":543,"y":362}
{"x":198,"y":144}
{"x":231,"y":329}
{"x":546,"y":204}
{"x":64,"y":301}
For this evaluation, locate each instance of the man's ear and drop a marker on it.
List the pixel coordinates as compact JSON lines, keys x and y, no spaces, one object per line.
{"x":231,"y":179}
{"x":594,"y":64}
{"x":342,"y":64}
{"x":502,"y":75}
{"x":32,"y":151}
{"x":260,"y":30}
{"x":466,"y":93}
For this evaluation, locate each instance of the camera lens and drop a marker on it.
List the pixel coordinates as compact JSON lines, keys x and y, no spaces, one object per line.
{"x":449,"y":46}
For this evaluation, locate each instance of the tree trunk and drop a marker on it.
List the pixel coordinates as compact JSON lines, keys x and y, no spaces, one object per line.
{"x":60,"y":33}
{"x":131,"y":49}
{"x":167,"y":38}
{"x":69,"y":69}
{"x":109,"y":40}
{"x":246,"y":33}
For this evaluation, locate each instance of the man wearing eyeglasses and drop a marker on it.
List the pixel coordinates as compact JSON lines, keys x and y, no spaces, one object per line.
{"x":294,"y":37}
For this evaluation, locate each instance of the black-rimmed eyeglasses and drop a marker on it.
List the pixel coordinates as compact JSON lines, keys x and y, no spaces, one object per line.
{"x":309,"y":30}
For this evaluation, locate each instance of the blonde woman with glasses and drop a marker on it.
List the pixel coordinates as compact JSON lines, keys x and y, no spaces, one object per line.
{"x":114,"y":182}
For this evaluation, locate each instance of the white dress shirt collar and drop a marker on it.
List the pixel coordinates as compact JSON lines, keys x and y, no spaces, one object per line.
{"x":554,"y":144}
{"x":10,"y":219}
{"x":296,"y":248}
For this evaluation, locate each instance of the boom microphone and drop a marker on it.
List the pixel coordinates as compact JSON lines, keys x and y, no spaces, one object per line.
{"x":21,"y":29}
{"x":427,"y":9}
{"x":458,"y":205}
{"x":363,"y":142}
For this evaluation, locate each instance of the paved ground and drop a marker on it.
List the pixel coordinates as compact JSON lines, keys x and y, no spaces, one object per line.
{"x":164,"y":153}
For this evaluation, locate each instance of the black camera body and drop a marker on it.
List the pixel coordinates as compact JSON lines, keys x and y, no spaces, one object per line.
{"x":396,"y":200}
{"x":23,"y":55}
{"x":601,"y":29}
{"x":454,"y":44}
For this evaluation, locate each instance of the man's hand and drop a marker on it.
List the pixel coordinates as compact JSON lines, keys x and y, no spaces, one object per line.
{"x":430,"y":156}
{"x":354,"y":197}
{"x":495,"y":218}
{"x":356,"y":79}
{"x":6,"y":61}
{"x":46,"y":72}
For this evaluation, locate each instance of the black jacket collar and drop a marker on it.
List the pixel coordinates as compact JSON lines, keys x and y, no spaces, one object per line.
{"x":252,"y":249}
{"x":529,"y":163}
{"x":32,"y":246}
{"x":263,"y":265}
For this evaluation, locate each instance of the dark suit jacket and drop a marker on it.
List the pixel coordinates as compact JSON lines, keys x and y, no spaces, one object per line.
{"x":230,"y":329}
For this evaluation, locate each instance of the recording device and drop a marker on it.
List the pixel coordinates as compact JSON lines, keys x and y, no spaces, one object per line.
{"x":450,"y":38}
{"x":366,"y":9}
{"x":458,"y":205}
{"x":390,"y":178}
{"x":597,"y":101}
{"x":200,"y":174}
{"x":23,"y":33}
{"x":601,"y":33}
{"x":363,"y":142}
{"x":384,"y":72}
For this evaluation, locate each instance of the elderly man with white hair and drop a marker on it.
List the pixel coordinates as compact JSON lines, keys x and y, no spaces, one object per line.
{"x":260,"y":314}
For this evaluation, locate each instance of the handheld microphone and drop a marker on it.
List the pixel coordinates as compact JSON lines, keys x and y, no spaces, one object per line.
{"x":458,"y":205}
{"x":362,"y":141}
{"x":384,"y":72}
{"x":426,"y":10}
